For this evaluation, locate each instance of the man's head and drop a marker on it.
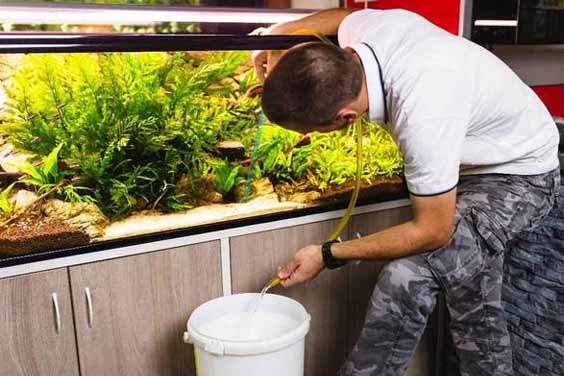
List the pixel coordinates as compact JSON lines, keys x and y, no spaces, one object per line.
{"x":311,"y":88}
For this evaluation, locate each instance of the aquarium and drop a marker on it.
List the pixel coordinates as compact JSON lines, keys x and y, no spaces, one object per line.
{"x":107,"y":146}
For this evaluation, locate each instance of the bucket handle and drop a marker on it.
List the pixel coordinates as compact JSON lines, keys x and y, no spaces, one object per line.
{"x":210,"y":346}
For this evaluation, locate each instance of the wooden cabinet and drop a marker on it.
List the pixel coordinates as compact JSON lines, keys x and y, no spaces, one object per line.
{"x":131,"y":312}
{"x":254,"y":259}
{"x":126,"y":316}
{"x":362,"y":278}
{"x":36,"y":326}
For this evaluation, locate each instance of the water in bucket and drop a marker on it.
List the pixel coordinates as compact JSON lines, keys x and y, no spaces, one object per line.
{"x":251,"y":324}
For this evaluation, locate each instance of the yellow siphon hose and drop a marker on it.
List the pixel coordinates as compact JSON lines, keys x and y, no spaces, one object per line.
{"x":343,"y":222}
{"x":319,"y":36}
{"x":358,"y":128}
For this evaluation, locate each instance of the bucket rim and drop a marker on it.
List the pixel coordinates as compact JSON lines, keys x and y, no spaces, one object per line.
{"x":242,"y":347}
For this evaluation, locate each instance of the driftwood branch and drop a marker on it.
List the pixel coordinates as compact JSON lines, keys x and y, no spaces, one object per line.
{"x":27,"y":208}
{"x":8,"y":177}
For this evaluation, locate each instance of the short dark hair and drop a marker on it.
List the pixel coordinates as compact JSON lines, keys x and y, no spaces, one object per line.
{"x":310,"y":84}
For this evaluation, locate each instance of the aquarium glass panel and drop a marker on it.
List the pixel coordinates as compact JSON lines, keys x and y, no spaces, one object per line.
{"x":99,"y":147}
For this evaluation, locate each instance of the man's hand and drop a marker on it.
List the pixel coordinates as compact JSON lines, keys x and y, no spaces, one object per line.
{"x":264,"y":61}
{"x":261,"y":57}
{"x":306,"y":264}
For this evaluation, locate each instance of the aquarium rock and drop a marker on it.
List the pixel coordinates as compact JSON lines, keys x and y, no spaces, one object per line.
{"x":146,"y":223}
{"x":24,"y":198}
{"x":305,"y":197}
{"x":84,"y":216}
{"x":11,"y":161}
{"x":213,"y":197}
{"x":232,"y":150}
{"x":260,"y":187}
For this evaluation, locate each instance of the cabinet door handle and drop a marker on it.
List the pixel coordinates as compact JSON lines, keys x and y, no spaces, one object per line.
{"x":89,"y":306}
{"x":358,"y":235}
{"x":57,"y":312}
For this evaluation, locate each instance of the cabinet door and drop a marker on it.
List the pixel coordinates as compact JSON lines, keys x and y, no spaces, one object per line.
{"x":254,"y":259}
{"x":362,"y":278}
{"x":36,"y":326}
{"x":131,"y":312}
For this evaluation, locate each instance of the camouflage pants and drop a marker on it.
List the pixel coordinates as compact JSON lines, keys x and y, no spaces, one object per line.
{"x":491,"y":210}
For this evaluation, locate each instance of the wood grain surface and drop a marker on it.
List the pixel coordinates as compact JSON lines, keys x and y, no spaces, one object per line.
{"x":29,"y":342}
{"x":140,"y":308}
{"x":254,"y":259}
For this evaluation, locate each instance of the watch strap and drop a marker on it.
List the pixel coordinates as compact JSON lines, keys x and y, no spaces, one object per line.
{"x":328,"y":259}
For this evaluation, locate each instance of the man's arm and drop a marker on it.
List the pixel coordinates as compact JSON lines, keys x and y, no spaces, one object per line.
{"x":323,"y":22}
{"x":430,"y":228}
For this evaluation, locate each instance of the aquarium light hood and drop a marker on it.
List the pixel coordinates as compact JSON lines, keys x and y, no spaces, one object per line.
{"x":87,"y":14}
{"x":26,"y":42}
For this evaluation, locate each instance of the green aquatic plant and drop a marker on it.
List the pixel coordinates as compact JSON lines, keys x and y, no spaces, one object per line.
{"x":45,"y":176}
{"x":329,"y":158}
{"x":226,"y":177}
{"x":332,"y":159}
{"x":139,"y":130}
{"x":7,"y":206}
{"x":275,"y":153}
{"x":132,"y":124}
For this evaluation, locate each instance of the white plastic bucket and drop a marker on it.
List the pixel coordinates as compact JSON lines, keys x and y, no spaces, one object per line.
{"x":282,"y":355}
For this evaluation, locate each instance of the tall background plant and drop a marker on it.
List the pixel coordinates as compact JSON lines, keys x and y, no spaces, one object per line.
{"x":131,"y":125}
{"x":140,"y":130}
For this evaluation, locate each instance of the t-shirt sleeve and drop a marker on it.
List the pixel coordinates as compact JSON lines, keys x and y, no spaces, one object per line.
{"x":430,"y":126}
{"x":349,"y":31}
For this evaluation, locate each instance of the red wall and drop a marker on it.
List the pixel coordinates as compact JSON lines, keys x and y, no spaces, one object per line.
{"x":444,"y":13}
{"x":553,"y":98}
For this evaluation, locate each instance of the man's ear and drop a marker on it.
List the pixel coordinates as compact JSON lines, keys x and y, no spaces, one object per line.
{"x":346,"y":116}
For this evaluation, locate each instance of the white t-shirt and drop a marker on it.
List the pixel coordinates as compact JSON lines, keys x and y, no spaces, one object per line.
{"x":454,"y":108}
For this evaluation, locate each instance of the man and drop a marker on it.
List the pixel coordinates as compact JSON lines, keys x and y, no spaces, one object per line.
{"x":481,"y":165}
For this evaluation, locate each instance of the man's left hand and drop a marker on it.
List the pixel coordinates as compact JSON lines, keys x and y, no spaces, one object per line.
{"x":306,"y":265}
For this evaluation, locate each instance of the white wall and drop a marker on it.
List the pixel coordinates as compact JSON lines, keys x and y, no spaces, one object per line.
{"x":536,"y":65}
{"x":315,"y":4}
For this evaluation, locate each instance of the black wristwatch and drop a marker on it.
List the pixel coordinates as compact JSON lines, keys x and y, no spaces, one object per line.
{"x":328,"y":259}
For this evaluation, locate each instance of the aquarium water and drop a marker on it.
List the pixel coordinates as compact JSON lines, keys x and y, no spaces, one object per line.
{"x":249,"y":326}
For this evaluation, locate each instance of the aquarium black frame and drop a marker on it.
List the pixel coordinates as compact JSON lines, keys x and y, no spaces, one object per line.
{"x":39,"y":42}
